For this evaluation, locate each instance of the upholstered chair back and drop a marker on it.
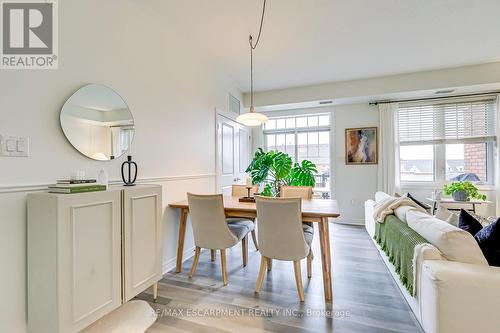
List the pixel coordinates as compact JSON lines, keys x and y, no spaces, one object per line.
{"x":209,"y":222}
{"x":304,"y":192}
{"x":280,"y":228}
{"x":238,"y":190}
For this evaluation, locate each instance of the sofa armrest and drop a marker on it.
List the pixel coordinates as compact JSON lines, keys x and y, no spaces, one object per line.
{"x":421,"y":253}
{"x":457,"y":297}
{"x":369,"y":220}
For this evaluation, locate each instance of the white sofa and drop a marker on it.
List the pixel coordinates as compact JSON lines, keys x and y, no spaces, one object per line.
{"x":455,"y":289}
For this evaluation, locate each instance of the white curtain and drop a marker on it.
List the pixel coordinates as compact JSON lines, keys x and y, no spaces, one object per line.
{"x":388,"y":169}
{"x":115,"y":141}
{"x":497,"y":171}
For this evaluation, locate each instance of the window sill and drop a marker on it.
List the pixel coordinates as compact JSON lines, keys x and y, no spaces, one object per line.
{"x":435,"y":186}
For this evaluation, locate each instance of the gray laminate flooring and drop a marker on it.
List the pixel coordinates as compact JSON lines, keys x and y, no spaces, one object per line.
{"x":366,"y":299}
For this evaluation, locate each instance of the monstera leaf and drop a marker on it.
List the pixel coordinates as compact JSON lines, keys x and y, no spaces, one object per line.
{"x":302,"y":174}
{"x":260,"y":166}
{"x":275,"y":169}
{"x":282,"y":164}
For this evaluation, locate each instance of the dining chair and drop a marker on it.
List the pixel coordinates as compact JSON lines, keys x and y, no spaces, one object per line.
{"x":281,"y":236}
{"x":306,"y":193}
{"x":238,"y":190}
{"x":211,"y":230}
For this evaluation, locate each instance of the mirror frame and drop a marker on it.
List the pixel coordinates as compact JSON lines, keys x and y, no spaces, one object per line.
{"x":66,"y":135}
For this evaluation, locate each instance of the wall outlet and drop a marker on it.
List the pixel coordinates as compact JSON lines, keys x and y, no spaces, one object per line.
{"x":14,"y":146}
{"x":353,"y":202}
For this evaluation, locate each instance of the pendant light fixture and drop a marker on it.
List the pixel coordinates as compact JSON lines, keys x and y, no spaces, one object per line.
{"x":253,"y":118}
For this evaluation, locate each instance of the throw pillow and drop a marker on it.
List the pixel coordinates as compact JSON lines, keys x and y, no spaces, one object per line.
{"x":447,"y":216}
{"x":421,"y":204}
{"x":485,"y":221}
{"x":488,"y":239}
{"x":468,"y":222}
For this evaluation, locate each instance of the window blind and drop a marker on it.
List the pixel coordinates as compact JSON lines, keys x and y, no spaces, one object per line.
{"x":447,"y":122}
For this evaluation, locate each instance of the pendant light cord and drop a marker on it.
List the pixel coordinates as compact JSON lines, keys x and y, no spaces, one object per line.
{"x":252,"y":47}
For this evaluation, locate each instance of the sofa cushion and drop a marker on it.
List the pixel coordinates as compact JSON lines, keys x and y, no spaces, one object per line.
{"x":468,"y":222}
{"x":401,"y":212}
{"x":454,"y":243}
{"x":488,"y":239}
{"x":444,"y":214}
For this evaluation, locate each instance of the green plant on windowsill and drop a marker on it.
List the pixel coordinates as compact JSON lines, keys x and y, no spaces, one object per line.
{"x":276,"y":169}
{"x":463,"y":191}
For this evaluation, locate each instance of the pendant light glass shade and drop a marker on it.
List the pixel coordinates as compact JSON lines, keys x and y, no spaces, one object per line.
{"x":252,"y":118}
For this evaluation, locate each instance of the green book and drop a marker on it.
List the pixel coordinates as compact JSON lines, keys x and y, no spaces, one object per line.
{"x":78,"y":189}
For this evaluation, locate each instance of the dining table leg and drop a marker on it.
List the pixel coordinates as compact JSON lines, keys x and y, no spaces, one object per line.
{"x":326,"y":259}
{"x":180,"y":244}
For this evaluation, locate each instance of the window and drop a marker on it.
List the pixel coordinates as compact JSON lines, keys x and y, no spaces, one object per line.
{"x":417,"y":163}
{"x":303,"y":137}
{"x":447,"y":141}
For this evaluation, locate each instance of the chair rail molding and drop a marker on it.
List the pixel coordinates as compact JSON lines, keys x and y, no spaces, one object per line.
{"x":34,"y":187}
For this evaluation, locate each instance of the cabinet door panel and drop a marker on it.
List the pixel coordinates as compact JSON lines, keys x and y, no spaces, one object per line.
{"x":142,"y":236}
{"x":92,"y":258}
{"x":142,"y":239}
{"x":91,"y":282}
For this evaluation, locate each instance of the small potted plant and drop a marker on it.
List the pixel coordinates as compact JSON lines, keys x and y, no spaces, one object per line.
{"x":463,"y":191}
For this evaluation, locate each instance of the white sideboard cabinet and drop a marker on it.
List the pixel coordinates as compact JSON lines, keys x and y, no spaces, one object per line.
{"x":89,"y":253}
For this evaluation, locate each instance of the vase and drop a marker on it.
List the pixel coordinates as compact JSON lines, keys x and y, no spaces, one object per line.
{"x":129,"y":172}
{"x":460,"y":195}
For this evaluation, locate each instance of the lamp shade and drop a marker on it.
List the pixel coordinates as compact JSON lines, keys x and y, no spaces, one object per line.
{"x":252,"y":119}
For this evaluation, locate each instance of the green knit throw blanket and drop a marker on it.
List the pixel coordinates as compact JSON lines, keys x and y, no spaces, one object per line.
{"x":398,"y":241}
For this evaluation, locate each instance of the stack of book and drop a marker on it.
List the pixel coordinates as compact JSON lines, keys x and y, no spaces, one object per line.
{"x":76,"y":186}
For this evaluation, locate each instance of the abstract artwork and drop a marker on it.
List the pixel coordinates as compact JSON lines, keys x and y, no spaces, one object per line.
{"x":361,"y":145}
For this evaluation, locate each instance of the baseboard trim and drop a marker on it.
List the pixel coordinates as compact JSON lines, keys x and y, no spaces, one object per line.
{"x":171,"y":263}
{"x":350,"y":221}
{"x":43,"y":186}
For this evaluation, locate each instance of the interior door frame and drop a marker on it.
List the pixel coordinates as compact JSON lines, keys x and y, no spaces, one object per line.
{"x":218,"y":152}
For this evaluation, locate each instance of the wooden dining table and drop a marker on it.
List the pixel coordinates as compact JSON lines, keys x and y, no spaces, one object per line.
{"x":315,"y":210}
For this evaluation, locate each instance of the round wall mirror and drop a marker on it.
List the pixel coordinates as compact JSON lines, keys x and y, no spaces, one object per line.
{"x":98,"y":122}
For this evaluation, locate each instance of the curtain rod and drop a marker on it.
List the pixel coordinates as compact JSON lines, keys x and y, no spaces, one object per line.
{"x":431,"y":98}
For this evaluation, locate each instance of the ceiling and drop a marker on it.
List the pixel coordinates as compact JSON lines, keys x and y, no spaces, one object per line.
{"x":307,"y":42}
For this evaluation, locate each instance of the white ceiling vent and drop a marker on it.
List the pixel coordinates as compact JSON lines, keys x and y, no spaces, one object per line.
{"x":448,"y":91}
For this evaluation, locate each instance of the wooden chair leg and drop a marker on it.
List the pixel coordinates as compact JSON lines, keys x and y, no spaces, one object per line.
{"x":212,"y":255}
{"x":262,"y":271}
{"x":155,"y":292}
{"x":244,"y":250}
{"x":223,"y":264}
{"x":309,"y":264}
{"x":254,"y":238}
{"x":195,"y":261}
{"x":269,"y":264}
{"x":298,"y":279}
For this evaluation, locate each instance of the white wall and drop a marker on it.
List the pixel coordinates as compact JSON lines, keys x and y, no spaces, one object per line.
{"x":354,"y":184}
{"x":167,"y":83}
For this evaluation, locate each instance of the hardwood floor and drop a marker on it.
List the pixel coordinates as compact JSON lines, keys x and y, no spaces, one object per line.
{"x":366,"y":299}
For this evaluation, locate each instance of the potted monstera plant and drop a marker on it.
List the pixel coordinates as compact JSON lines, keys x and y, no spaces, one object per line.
{"x":463,"y":191}
{"x":275,"y":169}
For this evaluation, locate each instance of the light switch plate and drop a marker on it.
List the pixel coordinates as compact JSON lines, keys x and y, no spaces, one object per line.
{"x":13,"y":146}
